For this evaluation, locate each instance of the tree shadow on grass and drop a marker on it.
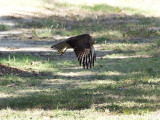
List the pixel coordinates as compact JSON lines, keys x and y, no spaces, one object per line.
{"x":101,"y":98}
{"x":11,"y":70}
{"x":128,"y":94}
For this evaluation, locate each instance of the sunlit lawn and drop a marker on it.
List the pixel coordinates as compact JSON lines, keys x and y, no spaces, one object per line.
{"x":115,"y":86}
{"x":124,"y":84}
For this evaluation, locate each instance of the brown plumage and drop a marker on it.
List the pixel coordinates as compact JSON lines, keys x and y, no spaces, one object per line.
{"x":83,"y":48}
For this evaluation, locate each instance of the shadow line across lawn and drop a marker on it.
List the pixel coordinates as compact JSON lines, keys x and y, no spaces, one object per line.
{"x":129,"y":93}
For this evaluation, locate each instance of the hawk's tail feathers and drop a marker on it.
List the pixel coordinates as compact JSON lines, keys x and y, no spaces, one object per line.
{"x":60,"y":47}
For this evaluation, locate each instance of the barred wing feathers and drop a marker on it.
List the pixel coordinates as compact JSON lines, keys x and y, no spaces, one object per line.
{"x":83,"y":48}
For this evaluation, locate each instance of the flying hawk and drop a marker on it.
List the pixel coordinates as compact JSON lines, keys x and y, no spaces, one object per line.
{"x":83,"y":48}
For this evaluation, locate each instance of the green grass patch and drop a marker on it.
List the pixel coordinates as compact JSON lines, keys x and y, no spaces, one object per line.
{"x":102,"y":7}
{"x":154,"y":49}
{"x":116,"y":85}
{"x":3,"y":27}
{"x":122,"y":29}
{"x":111,"y":9}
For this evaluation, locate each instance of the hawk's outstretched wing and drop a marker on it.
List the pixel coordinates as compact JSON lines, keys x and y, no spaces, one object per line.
{"x":83,"y":48}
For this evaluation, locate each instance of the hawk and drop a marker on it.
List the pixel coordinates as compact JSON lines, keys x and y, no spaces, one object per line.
{"x":83,"y":48}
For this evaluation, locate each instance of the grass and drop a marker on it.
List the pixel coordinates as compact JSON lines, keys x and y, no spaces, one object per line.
{"x":124,"y":27}
{"x":3,"y":27}
{"x":105,"y":31}
{"x":109,"y":9}
{"x":122,"y":86}
{"x":124,"y":83}
{"x":125,"y":22}
{"x":155,"y":48}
